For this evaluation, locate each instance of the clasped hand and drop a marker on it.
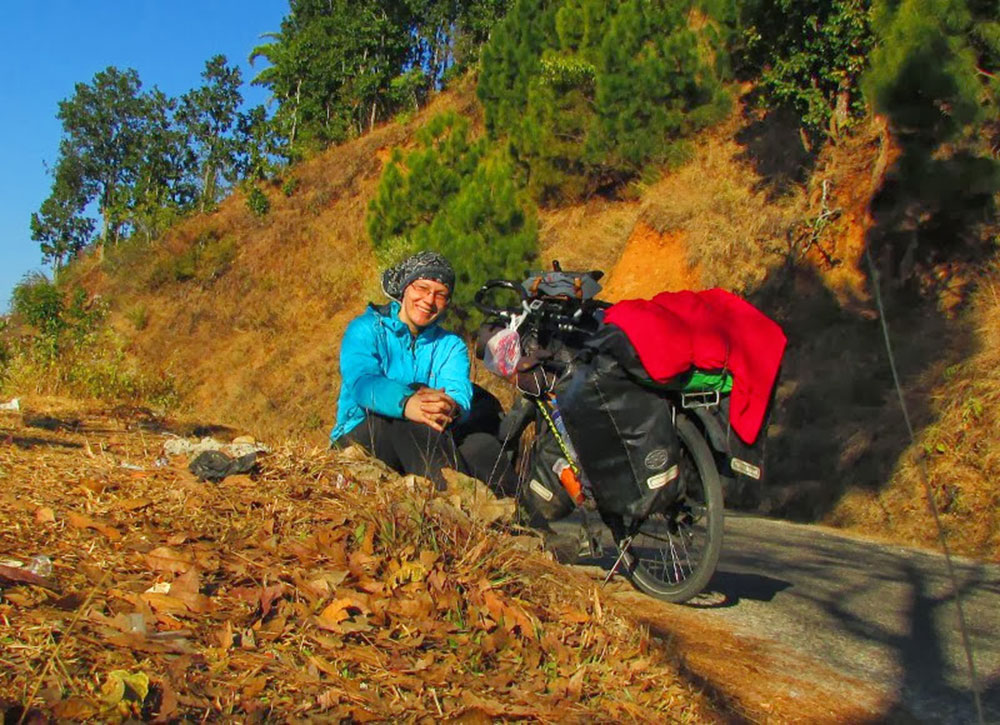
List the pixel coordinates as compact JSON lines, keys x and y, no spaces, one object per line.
{"x":431,"y":407}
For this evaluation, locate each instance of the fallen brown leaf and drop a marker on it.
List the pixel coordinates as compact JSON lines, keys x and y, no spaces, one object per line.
{"x":18,"y":575}
{"x":44,"y":515}
{"x":79,"y":521}
{"x":169,"y":560}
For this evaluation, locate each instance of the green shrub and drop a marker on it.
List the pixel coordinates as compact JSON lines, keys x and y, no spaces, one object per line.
{"x":54,"y":343}
{"x":185,"y":265}
{"x":809,"y":55}
{"x":206,"y":260}
{"x":452,"y":196}
{"x":257,"y":202}
{"x":290,"y":185}
{"x":215,"y":258}
{"x":38,"y":302}
{"x":138,"y":315}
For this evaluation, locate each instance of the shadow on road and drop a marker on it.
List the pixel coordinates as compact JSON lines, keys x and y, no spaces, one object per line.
{"x":880,"y":614}
{"x":735,"y":586}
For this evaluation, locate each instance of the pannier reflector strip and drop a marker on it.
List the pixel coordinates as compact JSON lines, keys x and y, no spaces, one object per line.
{"x":540,"y":490}
{"x":662,"y":479}
{"x":747,"y":469}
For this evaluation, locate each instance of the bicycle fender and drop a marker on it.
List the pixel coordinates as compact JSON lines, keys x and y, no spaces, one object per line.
{"x":717,"y":437}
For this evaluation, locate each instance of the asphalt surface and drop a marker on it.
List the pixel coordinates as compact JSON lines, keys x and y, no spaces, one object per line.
{"x":884,"y":615}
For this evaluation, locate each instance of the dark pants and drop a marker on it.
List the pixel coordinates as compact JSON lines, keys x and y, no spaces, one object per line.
{"x":409,"y":447}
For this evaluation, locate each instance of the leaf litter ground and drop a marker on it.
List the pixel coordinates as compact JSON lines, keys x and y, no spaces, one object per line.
{"x":319,"y":587}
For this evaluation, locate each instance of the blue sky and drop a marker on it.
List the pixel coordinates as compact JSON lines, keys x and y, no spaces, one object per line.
{"x":53,"y":44}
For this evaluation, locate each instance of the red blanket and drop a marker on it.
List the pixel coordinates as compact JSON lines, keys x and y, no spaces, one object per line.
{"x":712,"y":330}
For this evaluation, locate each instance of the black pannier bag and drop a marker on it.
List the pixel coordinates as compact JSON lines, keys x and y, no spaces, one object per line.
{"x":544,"y":492}
{"x":623,"y":432}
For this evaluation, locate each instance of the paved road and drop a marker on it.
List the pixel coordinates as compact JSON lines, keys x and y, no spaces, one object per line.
{"x":881,"y":614}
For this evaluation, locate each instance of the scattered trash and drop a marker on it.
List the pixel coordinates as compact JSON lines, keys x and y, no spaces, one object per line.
{"x":159,"y":588}
{"x":22,"y":575}
{"x":161,"y":462}
{"x":241,"y":446}
{"x":215,"y":465}
{"x":131,"y":467}
{"x":14,"y":404}
{"x":39,"y":565}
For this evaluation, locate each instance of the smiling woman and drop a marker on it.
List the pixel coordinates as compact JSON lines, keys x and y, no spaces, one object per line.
{"x":405,"y":392}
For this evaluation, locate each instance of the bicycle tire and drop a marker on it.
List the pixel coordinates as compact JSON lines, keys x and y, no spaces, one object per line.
{"x":655,"y":563}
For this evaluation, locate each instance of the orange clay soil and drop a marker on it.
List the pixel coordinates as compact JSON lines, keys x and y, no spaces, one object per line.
{"x":651,"y":263}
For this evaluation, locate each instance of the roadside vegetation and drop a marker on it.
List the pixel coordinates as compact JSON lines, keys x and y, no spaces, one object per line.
{"x":209,"y":256}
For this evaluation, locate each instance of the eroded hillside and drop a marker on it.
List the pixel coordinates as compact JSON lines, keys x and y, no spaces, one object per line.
{"x":251,"y":334}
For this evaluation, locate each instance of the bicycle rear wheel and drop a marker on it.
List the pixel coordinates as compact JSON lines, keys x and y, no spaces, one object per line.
{"x":673,"y":554}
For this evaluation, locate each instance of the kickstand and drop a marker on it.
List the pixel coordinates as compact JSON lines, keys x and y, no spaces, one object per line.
{"x":624,"y":545}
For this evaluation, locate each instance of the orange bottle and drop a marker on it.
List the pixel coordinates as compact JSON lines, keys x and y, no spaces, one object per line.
{"x":570,"y":481}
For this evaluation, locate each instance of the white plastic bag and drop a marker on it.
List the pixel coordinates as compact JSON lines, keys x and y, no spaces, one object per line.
{"x":503,"y":352}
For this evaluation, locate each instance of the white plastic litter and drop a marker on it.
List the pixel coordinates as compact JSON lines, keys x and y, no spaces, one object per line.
{"x":14,"y":404}
{"x":41,"y":565}
{"x":185,"y":447}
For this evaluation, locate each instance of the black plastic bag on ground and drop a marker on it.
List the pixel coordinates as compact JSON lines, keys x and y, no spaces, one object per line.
{"x":623,"y":434}
{"x":215,"y":465}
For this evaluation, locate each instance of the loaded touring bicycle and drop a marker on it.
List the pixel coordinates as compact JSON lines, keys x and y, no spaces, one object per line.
{"x":628,"y":421}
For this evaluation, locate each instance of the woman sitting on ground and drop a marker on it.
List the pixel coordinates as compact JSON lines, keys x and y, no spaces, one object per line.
{"x":405,"y":390}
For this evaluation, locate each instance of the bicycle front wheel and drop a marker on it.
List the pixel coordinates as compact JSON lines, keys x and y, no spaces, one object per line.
{"x":673,"y":554}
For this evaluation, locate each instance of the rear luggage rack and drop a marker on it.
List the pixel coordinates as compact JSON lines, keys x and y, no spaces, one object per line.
{"x":700,"y":399}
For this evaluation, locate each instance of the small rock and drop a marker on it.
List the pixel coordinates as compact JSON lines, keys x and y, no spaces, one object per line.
{"x":353,"y":453}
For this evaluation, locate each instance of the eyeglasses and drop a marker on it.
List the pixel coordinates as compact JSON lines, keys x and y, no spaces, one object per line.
{"x":423,"y":290}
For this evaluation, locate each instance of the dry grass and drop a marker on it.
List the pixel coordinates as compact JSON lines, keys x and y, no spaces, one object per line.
{"x":958,"y":451}
{"x":734,"y":233}
{"x":320,"y":587}
{"x":256,"y":346}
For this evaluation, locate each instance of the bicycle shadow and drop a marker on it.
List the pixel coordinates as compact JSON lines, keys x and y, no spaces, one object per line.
{"x":729,"y":588}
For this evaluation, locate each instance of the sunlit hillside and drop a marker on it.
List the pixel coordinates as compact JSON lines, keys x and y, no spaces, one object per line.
{"x":244,"y":313}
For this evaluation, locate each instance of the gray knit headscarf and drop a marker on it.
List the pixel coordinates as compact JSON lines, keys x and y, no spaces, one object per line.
{"x":422,"y":265}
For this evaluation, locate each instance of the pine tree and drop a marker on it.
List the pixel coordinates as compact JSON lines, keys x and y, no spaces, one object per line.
{"x":933,"y":75}
{"x":453,"y":196}
{"x":653,"y":85}
{"x":586,"y":92}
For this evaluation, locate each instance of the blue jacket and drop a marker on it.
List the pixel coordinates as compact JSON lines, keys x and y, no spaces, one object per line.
{"x":380,"y":360}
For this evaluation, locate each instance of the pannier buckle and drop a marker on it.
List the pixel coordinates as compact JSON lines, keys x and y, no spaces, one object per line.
{"x":700,"y":399}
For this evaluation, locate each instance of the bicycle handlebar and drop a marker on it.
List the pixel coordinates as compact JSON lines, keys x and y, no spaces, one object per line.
{"x":480,"y":299}
{"x":563,"y":314}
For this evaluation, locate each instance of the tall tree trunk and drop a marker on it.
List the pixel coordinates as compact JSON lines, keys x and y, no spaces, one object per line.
{"x":295,"y":113}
